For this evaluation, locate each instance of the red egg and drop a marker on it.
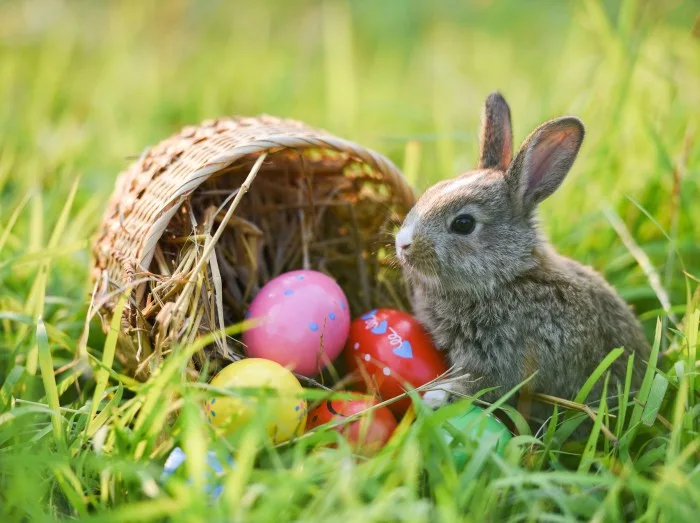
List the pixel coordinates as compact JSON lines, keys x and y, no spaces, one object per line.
{"x":368,"y":433}
{"x":388,"y":350}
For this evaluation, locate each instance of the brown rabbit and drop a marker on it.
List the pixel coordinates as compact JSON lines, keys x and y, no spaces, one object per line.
{"x":491,"y":290}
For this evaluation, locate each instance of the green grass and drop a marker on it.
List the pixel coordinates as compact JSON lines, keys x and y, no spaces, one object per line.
{"x":85,"y":86}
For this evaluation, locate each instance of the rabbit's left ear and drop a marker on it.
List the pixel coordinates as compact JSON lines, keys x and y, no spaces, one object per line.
{"x":496,"y":136}
{"x":544,"y":160}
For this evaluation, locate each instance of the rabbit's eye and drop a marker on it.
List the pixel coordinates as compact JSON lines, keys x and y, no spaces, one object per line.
{"x":463,"y":224}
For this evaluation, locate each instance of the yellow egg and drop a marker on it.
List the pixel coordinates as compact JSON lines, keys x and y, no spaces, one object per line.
{"x":286,"y":409}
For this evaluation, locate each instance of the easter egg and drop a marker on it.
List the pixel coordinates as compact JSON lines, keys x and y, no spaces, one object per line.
{"x":286,"y":409}
{"x":302,"y":321}
{"x":368,"y":433}
{"x":475,"y":425}
{"x":388,"y":349}
{"x":215,"y":470}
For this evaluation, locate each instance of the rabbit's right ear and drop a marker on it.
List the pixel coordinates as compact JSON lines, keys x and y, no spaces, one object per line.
{"x":496,"y":136}
{"x":544,"y":160}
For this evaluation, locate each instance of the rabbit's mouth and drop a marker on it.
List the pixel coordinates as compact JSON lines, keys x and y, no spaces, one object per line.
{"x":419,"y":263}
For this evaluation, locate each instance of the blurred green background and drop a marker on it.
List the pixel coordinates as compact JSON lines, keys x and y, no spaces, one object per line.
{"x":86,"y":86}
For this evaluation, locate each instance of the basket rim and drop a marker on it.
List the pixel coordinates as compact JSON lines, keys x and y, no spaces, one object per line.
{"x":272,"y":143}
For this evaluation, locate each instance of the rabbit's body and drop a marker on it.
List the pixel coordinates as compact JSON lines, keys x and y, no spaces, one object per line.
{"x":558,"y":318}
{"x":492,"y":292}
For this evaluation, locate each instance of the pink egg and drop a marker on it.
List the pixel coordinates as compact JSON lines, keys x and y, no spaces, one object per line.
{"x":294,"y":311}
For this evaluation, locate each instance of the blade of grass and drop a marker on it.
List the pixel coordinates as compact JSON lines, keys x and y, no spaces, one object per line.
{"x":692,"y":327}
{"x":37,"y":294}
{"x":13,"y":219}
{"x":655,"y":399}
{"x":17,"y":412}
{"x":43,"y":255}
{"x":648,"y":378}
{"x":128,"y":383}
{"x":679,"y":411}
{"x":234,"y":485}
{"x":623,"y":402}
{"x":194,"y":443}
{"x":571,"y":421}
{"x":9,"y":384}
{"x":62,"y":220}
{"x":643,"y":260}
{"x":153,"y":510}
{"x":596,"y":375}
{"x":49,"y":379}
{"x":588,"y":456}
{"x":548,"y":438}
{"x":108,"y":352}
{"x":106,"y":412}
{"x":219,"y":297}
{"x":71,"y":487}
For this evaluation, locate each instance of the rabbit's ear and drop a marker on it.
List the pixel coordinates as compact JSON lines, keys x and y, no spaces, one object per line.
{"x":496,"y":137}
{"x":544,"y":159}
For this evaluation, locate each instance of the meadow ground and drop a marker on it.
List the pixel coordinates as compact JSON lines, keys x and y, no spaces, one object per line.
{"x":85,"y":86}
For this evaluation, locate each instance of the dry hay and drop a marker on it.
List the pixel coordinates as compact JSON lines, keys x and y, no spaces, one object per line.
{"x":199,"y":223}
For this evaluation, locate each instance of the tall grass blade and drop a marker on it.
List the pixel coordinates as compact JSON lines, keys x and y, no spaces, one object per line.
{"x":11,"y":381}
{"x":643,"y":394}
{"x":654,"y":400}
{"x":49,"y":379}
{"x":588,"y":455}
{"x":110,"y":346}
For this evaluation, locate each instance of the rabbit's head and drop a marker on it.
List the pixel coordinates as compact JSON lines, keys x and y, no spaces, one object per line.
{"x":478,"y":230}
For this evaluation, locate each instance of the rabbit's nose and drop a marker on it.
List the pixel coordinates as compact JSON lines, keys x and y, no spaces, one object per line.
{"x":404,"y":239}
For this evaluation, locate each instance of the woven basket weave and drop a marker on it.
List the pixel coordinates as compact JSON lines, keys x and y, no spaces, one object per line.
{"x":316,"y":201}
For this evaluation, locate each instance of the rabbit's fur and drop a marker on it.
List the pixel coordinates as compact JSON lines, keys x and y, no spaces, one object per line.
{"x":499,"y":300}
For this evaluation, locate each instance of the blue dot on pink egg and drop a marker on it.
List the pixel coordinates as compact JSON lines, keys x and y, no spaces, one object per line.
{"x":299,"y":277}
{"x":313,"y":327}
{"x":332,"y":315}
{"x":288,"y":292}
{"x":342,"y":305}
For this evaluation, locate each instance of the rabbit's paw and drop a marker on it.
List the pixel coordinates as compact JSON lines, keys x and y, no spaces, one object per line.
{"x":436,"y":398}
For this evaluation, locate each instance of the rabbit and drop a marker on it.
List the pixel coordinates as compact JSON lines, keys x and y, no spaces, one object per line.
{"x":489,"y":288}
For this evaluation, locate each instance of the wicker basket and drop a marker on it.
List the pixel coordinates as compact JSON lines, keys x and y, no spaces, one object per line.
{"x":201,"y":221}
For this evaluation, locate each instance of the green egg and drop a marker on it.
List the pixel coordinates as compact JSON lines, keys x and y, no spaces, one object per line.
{"x":477,"y":426}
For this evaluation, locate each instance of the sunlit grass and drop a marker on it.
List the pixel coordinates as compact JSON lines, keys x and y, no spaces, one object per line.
{"x":86,"y":86}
